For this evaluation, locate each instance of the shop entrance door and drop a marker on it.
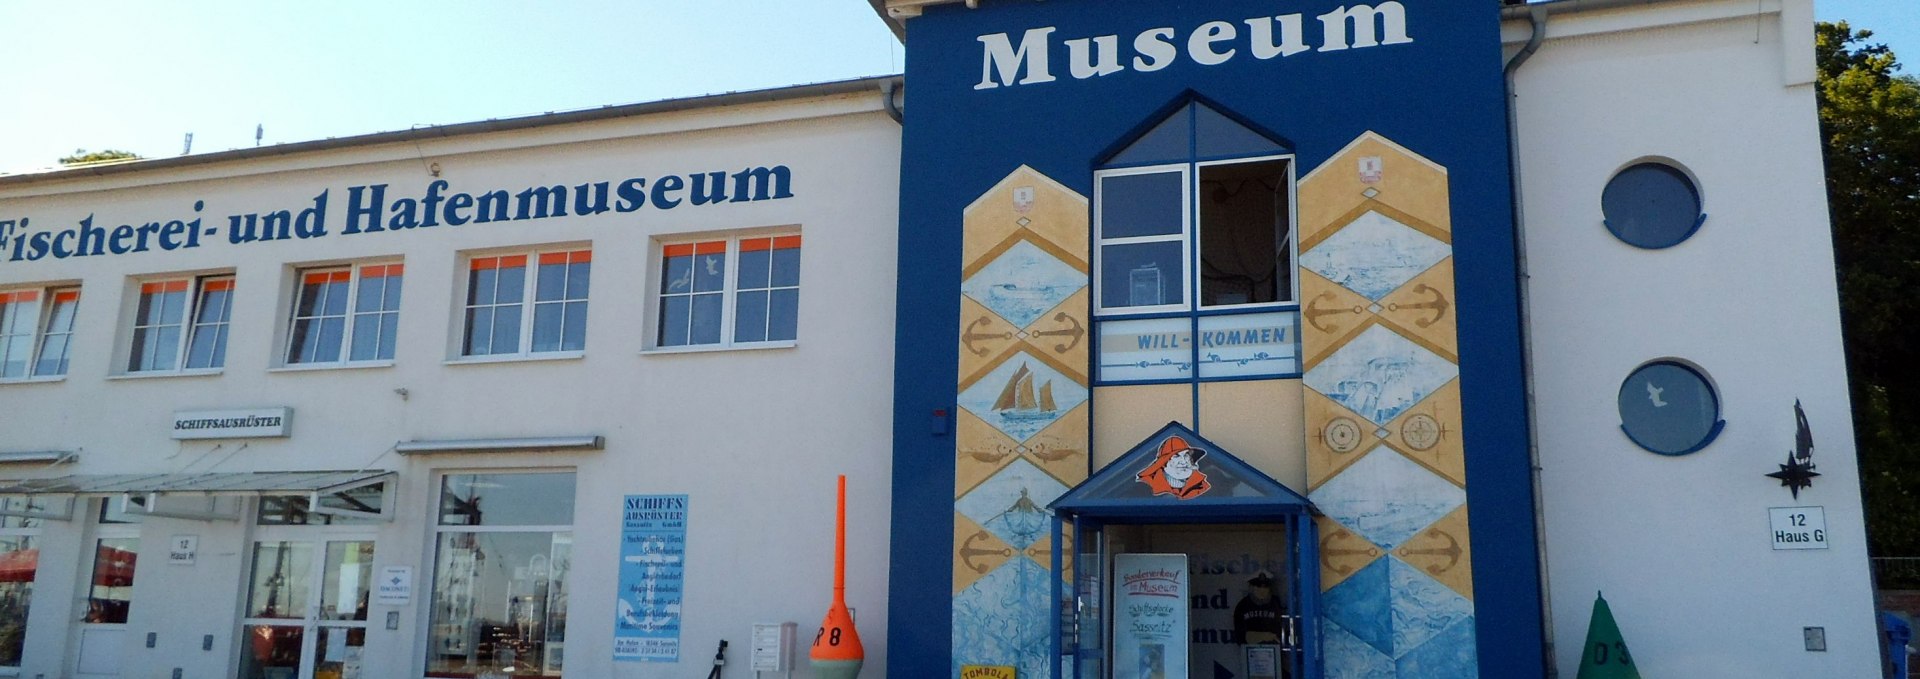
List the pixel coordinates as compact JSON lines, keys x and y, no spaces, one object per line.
{"x":307,"y":598}
{"x":103,"y":625}
{"x":1184,"y":562}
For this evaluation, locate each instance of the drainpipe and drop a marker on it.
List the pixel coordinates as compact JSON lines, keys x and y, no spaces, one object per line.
{"x":1537,"y":19}
{"x":887,"y":90}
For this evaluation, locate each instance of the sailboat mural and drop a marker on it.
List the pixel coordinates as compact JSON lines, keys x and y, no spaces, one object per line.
{"x":1017,"y":400}
{"x":1022,"y":396}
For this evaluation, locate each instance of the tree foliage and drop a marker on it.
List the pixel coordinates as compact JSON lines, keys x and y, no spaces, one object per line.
{"x":1870,"y":125}
{"x":83,"y":156}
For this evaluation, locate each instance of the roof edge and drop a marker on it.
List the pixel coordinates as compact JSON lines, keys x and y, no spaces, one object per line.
{"x":612,"y":111}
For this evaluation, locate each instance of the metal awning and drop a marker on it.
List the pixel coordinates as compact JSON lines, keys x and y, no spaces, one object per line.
{"x":211,"y":483}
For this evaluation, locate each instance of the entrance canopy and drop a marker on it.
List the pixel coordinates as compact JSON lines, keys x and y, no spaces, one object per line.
{"x":1175,"y":476}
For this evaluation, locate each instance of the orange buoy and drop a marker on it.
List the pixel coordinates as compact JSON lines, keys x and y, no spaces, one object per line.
{"x":837,"y":653}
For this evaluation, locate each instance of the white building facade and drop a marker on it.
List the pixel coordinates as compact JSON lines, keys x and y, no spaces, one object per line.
{"x":696,"y":324}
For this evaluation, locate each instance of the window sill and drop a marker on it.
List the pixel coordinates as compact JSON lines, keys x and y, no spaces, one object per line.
{"x":157,"y":374}
{"x":711,"y":348}
{"x":518,"y":358}
{"x":30,"y":380}
{"x":315,"y":367}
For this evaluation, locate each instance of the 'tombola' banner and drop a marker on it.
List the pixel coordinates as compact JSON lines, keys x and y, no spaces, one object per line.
{"x":653,"y":551}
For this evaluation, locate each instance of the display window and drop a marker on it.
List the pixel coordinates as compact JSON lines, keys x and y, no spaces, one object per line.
{"x":502,"y":552}
{"x":19,"y":566}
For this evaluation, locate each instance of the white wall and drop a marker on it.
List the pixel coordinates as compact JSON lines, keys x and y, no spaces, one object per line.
{"x":754,"y":437}
{"x":1681,"y":546}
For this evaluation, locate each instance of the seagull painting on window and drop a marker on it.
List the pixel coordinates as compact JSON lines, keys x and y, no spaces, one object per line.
{"x":1653,"y":394}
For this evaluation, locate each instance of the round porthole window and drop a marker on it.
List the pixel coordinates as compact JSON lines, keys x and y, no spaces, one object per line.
{"x":1652,"y":205}
{"x":1669,"y":408}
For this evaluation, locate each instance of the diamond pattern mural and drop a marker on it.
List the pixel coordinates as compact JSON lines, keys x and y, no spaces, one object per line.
{"x":1001,"y":619}
{"x":1374,"y":255}
{"x":1011,"y":505}
{"x":1023,"y":283}
{"x":1380,"y":345}
{"x":1022,"y":355}
{"x":1386,"y":498}
{"x":1380,"y":374}
{"x":1022,"y":396}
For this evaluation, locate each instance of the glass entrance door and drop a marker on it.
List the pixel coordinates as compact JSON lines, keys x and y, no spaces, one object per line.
{"x":306,"y":614}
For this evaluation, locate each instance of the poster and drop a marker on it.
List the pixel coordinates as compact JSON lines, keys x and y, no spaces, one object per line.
{"x":653,"y":550}
{"x":1150,"y":616}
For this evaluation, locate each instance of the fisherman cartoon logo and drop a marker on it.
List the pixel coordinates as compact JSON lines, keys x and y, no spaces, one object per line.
{"x":1176,"y":470}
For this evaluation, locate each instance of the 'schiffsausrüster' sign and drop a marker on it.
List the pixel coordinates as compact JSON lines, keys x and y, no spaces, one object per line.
{"x":243,"y":423}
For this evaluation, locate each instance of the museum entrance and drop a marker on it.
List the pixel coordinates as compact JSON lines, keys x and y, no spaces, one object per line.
{"x":1186,"y":563}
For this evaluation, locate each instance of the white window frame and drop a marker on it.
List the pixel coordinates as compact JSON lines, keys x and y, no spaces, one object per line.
{"x":1191,"y":233}
{"x":189,"y":322}
{"x":527,"y":304}
{"x":356,"y":272}
{"x":39,"y":318}
{"x":1293,"y":224}
{"x":729,"y":293}
{"x":1185,"y":237}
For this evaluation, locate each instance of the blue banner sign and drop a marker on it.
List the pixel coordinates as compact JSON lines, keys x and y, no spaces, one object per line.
{"x":653,"y":555}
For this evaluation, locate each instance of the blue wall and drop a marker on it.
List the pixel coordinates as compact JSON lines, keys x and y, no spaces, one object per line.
{"x":1440,"y":95}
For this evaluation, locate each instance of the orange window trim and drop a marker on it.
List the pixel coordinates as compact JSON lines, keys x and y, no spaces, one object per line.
{"x":66,"y":296}
{"x":163,"y":287}
{"x":220,"y":285}
{"x":786,"y":242}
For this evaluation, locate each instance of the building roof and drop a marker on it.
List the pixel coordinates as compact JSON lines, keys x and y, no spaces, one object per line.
{"x":875,"y":84}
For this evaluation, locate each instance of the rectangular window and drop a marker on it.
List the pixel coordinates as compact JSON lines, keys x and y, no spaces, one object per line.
{"x":503,"y":548}
{"x":499,"y":290}
{"x":198,"y":309}
{"x":36,"y":331}
{"x":701,"y":305}
{"x":345,"y":314}
{"x":110,"y":591}
{"x":1193,"y":271}
{"x":1245,"y":233}
{"x":1228,"y":236}
{"x":1142,"y":241}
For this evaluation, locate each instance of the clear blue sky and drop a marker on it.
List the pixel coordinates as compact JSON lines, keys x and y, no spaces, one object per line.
{"x":139,"y":75}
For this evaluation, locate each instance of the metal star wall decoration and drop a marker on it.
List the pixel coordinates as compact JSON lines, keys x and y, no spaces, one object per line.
{"x":1798,"y":472}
